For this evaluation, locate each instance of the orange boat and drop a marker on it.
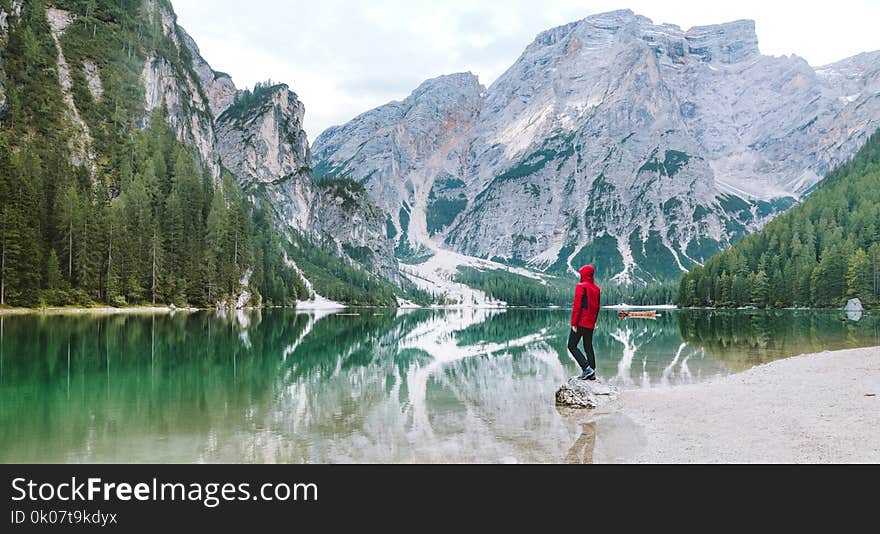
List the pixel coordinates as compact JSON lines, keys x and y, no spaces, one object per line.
{"x":637,"y":314}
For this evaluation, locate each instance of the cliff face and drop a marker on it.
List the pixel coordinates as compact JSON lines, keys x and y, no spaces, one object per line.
{"x":217,"y":87}
{"x":165,"y":84}
{"x":345,"y":214}
{"x":259,"y":137}
{"x":262,"y":142}
{"x":642,"y":147}
{"x":399,"y":150}
{"x":13,"y":9}
{"x":176,"y":88}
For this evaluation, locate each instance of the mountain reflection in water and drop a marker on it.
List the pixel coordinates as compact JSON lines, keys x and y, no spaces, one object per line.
{"x":469,"y":385}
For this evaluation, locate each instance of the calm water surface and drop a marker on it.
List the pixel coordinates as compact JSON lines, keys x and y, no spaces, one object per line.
{"x":384,"y":386}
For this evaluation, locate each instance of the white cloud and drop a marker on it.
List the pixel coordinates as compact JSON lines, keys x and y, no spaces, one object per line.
{"x":345,"y":57}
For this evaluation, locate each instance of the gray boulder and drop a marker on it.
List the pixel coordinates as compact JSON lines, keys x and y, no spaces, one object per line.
{"x":854,"y":310}
{"x":578,"y":393}
{"x":854,"y":305}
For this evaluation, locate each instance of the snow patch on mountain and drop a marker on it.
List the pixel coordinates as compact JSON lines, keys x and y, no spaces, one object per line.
{"x":315,"y":301}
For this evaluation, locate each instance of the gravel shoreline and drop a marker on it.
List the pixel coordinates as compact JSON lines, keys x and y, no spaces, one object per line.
{"x":815,"y":408}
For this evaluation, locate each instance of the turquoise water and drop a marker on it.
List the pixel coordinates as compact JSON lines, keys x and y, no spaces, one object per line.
{"x":382,"y":386}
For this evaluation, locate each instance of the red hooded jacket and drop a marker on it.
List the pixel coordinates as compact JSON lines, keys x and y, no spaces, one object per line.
{"x":587,"y":300}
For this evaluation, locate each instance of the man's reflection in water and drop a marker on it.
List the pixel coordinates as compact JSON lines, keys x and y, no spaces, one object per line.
{"x":582,"y":450}
{"x":621,"y":438}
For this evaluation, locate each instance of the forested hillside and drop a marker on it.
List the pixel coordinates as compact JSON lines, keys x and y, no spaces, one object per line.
{"x":819,"y":254}
{"x":100,"y":202}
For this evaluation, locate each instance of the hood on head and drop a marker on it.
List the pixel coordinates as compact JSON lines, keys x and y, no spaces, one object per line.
{"x":587,"y":273}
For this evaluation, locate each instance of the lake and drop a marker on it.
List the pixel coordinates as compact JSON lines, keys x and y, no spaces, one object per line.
{"x":382,"y":386}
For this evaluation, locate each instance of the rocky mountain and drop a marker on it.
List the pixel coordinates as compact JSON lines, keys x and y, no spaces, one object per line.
{"x":261,"y":140}
{"x":96,"y":77}
{"x":398,"y":150}
{"x":13,"y":9}
{"x":644,"y":148}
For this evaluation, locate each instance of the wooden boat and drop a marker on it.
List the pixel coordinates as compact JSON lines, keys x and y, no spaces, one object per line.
{"x":638,"y":314}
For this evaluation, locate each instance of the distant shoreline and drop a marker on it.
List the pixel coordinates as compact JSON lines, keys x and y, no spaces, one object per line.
{"x":706,"y":308}
{"x":140,"y":310}
{"x":99,"y":310}
{"x":135,"y":310}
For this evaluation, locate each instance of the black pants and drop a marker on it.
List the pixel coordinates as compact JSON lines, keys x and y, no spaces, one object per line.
{"x":574,"y":338}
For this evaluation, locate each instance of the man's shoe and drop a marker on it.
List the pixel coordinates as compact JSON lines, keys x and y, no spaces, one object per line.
{"x":588,"y":374}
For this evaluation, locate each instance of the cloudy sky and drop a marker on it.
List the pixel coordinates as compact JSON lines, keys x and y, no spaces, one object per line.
{"x":344,"y":57}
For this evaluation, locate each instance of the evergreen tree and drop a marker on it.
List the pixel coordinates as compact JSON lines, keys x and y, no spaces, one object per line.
{"x":69,"y":221}
{"x":217,"y":236}
{"x":829,"y":278}
{"x":759,"y":289}
{"x":114,"y":266}
{"x":53,"y":273}
{"x":10,"y":250}
{"x":860,"y":277}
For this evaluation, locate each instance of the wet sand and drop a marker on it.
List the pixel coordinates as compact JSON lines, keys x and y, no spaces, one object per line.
{"x":816,"y":408}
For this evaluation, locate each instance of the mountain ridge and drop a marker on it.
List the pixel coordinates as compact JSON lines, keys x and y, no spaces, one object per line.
{"x":671,"y":145}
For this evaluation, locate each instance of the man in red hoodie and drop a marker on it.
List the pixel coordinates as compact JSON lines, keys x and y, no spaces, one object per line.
{"x":585,"y":311}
